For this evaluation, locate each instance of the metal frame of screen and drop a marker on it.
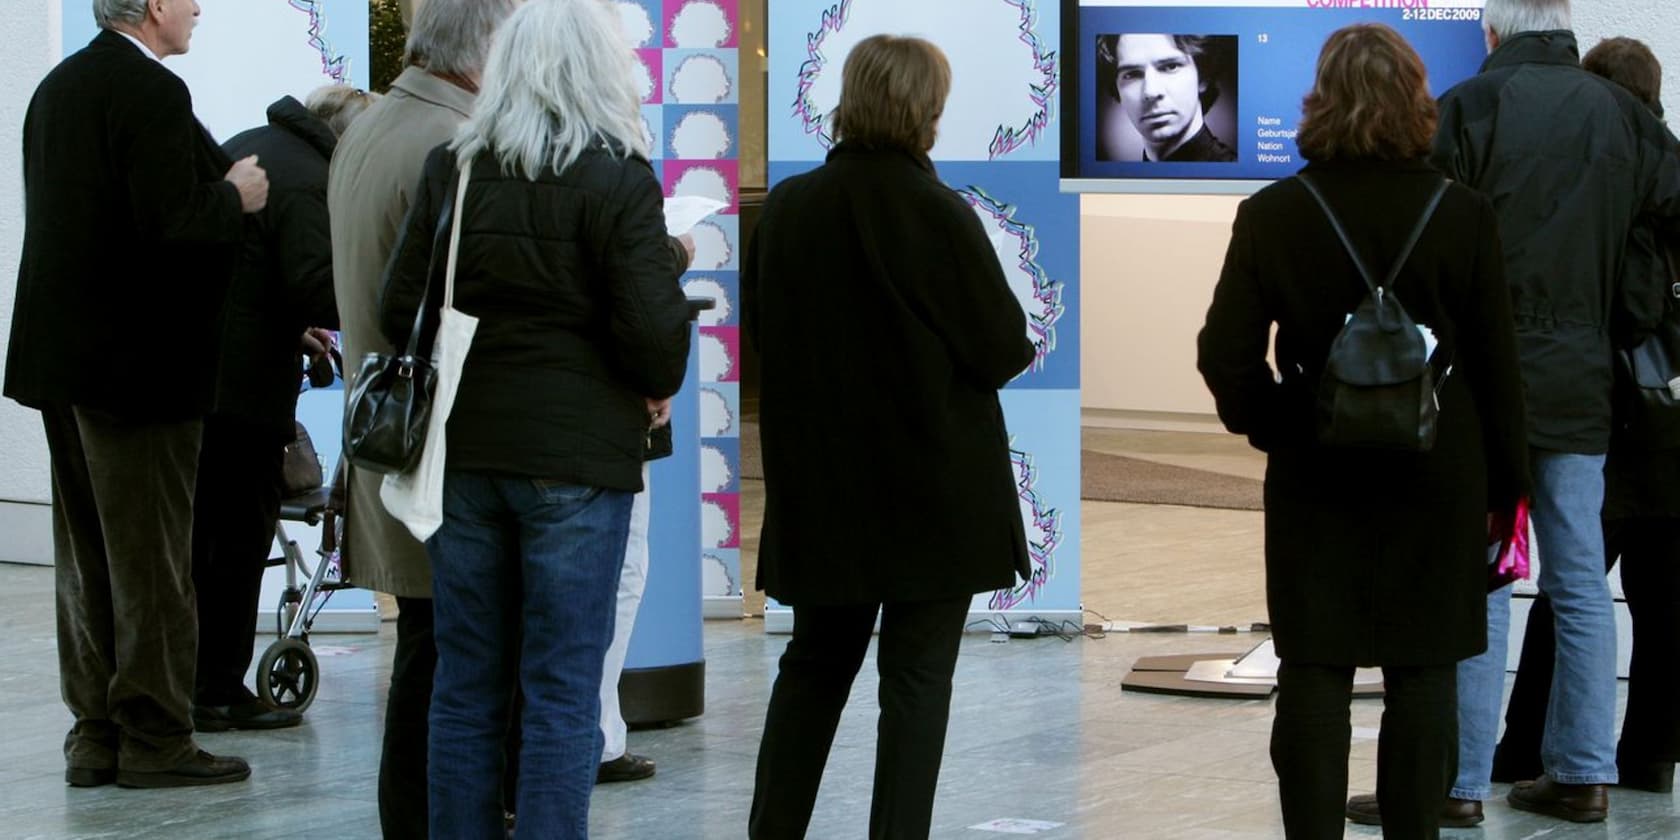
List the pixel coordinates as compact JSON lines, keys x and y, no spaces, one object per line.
{"x":1074,"y":177}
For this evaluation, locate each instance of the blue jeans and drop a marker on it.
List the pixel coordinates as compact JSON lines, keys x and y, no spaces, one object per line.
{"x":1579,"y":744}
{"x":523,"y":579}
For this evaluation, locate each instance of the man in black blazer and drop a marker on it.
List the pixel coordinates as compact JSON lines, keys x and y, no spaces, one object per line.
{"x":132,"y":217}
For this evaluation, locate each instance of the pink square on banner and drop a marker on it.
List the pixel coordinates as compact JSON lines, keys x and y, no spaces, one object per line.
{"x":730,"y":505}
{"x":702,"y":24}
{"x":720,"y":354}
{"x":720,"y":179}
{"x":652,"y":86}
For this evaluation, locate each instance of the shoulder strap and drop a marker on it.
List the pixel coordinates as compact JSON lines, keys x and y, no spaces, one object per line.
{"x":446,"y":215}
{"x":455,"y":233}
{"x":1347,"y":243}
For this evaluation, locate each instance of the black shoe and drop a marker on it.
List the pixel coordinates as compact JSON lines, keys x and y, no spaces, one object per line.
{"x":251,"y":714}
{"x":89,"y":776}
{"x":1455,"y":813}
{"x":202,"y":769}
{"x":625,"y":768}
{"x":1653,"y":776}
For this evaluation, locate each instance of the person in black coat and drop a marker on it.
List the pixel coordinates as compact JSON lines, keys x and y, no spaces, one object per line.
{"x":885,"y":328}
{"x":131,"y":217}
{"x":1373,"y":558}
{"x":583,"y":333}
{"x":282,"y":287}
{"x":1642,"y":530}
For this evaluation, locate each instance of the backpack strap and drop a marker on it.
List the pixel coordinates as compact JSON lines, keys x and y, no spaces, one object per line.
{"x":1347,"y":243}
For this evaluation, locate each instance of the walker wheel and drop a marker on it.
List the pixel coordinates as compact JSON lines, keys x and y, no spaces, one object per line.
{"x":287,"y":675}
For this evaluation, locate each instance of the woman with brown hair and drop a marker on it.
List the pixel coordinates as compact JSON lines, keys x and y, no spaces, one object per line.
{"x":1373,"y":557}
{"x":885,"y":328}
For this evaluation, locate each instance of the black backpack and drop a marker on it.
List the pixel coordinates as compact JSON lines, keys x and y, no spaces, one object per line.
{"x":1378,"y":389}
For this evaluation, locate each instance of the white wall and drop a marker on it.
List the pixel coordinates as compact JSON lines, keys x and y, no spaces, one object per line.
{"x":1149,"y":263}
{"x":1656,"y":22}
{"x":30,"y":32}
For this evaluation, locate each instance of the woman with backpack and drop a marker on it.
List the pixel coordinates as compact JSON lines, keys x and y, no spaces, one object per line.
{"x":1376,"y":554}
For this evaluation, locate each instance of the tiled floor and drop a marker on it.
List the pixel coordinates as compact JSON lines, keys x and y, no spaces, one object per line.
{"x":1040,"y":729}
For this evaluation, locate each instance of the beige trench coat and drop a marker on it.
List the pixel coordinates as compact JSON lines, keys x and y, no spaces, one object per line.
{"x":373,"y":175}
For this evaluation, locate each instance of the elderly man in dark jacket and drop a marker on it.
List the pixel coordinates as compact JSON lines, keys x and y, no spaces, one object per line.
{"x":132,"y":215}
{"x":1573,"y":163}
{"x":283,"y":285}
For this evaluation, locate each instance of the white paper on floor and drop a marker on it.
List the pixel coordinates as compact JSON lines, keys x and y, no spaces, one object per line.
{"x":1366,"y":733}
{"x":1010,"y":825}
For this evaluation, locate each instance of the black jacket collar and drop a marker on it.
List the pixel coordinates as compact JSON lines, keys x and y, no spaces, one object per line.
{"x":853,"y":149}
{"x":1369,"y":165}
{"x":112,"y":39}
{"x":1556,"y":46}
{"x":289,"y":115}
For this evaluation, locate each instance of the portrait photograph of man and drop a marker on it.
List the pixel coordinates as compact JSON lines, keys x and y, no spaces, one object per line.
{"x":1166,"y":98}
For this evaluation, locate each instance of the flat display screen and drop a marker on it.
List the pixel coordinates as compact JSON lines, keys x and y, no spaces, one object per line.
{"x":1204,"y":96}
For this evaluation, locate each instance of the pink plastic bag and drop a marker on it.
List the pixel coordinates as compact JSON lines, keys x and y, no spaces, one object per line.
{"x":1510,"y":560}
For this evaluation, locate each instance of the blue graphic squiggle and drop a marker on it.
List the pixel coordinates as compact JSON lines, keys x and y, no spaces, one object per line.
{"x":333,"y":65}
{"x":1042,"y":542}
{"x":1004,"y":141}
{"x":833,"y":19}
{"x":1047,"y":292}
{"x":1008,"y":139}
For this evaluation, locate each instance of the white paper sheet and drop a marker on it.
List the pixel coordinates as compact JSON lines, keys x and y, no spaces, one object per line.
{"x":682,"y":213}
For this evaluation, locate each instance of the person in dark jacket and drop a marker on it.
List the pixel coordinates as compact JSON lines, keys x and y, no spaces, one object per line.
{"x":1373,"y":558}
{"x":1574,"y":164}
{"x":282,"y":287}
{"x":1642,"y":530}
{"x":887,"y":425}
{"x":132,"y":214}
{"x":565,"y":261}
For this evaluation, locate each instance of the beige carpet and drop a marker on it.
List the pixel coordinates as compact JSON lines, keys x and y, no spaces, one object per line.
{"x":1110,"y":478}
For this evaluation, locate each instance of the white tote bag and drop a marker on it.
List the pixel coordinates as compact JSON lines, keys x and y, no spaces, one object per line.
{"x":415,"y":497}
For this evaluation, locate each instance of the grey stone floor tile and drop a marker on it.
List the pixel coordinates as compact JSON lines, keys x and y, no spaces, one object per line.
{"x":1039,"y":729}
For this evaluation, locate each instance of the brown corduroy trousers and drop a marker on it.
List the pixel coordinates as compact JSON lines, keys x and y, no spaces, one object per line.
{"x":122,"y":545}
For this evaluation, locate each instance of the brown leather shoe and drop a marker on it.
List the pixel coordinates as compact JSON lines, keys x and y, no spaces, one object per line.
{"x":1455,"y":813}
{"x":1575,"y":803}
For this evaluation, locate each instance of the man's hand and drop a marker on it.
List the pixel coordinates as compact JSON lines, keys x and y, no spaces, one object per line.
{"x":252,"y":183}
{"x":659,"y":412}
{"x":315,"y":342}
{"x":688,"y":246}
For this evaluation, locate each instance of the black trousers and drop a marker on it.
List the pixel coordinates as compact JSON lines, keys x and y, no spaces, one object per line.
{"x":402,"y":759}
{"x":917,"y":656}
{"x":403,"y":764}
{"x":1417,"y":752}
{"x":122,"y":557}
{"x":1649,"y":551}
{"x":234,"y":512}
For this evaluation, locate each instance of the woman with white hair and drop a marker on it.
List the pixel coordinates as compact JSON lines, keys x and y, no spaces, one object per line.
{"x":565,"y":261}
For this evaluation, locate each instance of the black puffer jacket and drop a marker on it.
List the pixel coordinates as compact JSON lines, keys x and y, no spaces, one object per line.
{"x":574,"y":283}
{"x":284,"y":281}
{"x":1571,"y":162}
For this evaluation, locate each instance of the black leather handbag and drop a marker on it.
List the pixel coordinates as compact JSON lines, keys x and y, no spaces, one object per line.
{"x":391,"y":402}
{"x":659,"y":443}
{"x":1650,"y":378}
